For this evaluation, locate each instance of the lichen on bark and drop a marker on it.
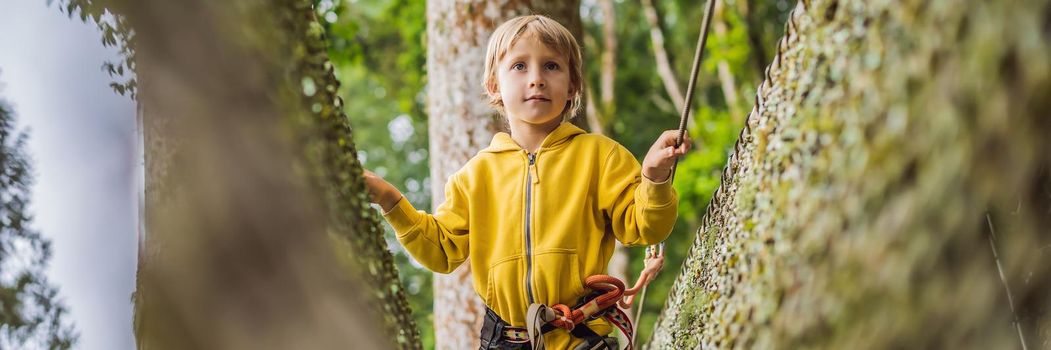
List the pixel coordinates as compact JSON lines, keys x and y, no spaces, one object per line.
{"x":852,"y":211}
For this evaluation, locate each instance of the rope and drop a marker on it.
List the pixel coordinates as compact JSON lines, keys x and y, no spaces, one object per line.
{"x":701,"y":41}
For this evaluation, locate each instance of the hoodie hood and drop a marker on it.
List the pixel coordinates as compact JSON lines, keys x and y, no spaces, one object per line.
{"x":502,"y":141}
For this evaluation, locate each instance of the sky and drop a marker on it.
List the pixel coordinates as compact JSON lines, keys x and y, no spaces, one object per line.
{"x":82,"y":137}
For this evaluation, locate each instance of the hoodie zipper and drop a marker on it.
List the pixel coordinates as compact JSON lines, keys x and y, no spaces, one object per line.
{"x":528,"y":228}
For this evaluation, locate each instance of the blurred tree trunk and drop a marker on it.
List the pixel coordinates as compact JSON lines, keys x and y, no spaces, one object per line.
{"x":853,"y":207}
{"x":750,"y":11}
{"x":609,"y":55}
{"x":461,"y":123}
{"x":726,"y":78}
{"x":619,"y":263}
{"x":664,"y":67}
{"x":258,"y":232}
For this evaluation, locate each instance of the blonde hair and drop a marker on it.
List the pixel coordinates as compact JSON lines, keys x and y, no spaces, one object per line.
{"x":549,"y":32}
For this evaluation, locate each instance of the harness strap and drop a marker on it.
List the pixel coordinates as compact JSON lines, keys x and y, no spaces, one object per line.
{"x":538,"y":316}
{"x":615,"y":316}
{"x":618,"y":318}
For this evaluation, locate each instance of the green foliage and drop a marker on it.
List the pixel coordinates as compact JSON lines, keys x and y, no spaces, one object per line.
{"x":31,"y":314}
{"x":377,"y":51}
{"x":115,"y":33}
{"x":698,"y":174}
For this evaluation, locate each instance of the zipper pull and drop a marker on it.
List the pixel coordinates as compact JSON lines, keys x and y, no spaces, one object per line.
{"x":532,"y":169}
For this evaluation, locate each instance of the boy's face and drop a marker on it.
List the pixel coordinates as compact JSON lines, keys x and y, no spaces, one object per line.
{"x":533,"y":82}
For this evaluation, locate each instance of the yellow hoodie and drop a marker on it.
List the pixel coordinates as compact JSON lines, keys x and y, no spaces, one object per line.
{"x":535,"y":226}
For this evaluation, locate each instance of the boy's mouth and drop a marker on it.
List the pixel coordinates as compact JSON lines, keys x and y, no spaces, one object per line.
{"x":538,"y":98}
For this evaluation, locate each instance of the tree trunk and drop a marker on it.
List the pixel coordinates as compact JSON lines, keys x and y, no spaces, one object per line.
{"x":619,"y":263}
{"x":595,"y":122}
{"x":749,"y":10}
{"x":726,"y":78}
{"x":461,"y":123}
{"x":258,"y":230}
{"x":609,"y":56}
{"x":660,"y":55}
{"x":853,"y":207}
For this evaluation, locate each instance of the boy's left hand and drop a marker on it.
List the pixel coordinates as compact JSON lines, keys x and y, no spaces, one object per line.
{"x":659,"y":160}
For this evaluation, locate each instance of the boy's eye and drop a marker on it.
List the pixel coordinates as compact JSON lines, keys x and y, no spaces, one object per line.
{"x":518,"y":66}
{"x":551,"y":66}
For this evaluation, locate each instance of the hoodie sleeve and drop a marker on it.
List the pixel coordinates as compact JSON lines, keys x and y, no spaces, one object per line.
{"x":641,"y":212}
{"x":437,"y":241}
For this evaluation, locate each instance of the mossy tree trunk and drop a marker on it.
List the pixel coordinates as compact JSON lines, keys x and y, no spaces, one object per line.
{"x":461,"y":123}
{"x":258,"y":230}
{"x":888,"y":143}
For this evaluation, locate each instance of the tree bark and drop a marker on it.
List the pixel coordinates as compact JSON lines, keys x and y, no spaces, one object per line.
{"x":461,"y":123}
{"x":852,"y":209}
{"x":258,"y":232}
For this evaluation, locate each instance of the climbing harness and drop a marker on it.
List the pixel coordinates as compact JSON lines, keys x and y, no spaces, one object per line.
{"x":498,"y":334}
{"x":610,"y":295}
{"x":608,"y":292}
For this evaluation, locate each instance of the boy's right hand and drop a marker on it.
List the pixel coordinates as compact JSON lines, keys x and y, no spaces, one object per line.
{"x":381,"y":191}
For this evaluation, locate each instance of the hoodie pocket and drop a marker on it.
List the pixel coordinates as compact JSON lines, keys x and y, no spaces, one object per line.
{"x":557,"y":277}
{"x":505,"y":289}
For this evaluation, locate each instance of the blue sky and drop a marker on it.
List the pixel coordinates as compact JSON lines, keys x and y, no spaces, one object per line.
{"x":88,"y":166}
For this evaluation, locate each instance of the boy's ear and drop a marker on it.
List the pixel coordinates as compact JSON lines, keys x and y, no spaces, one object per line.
{"x":492,"y":91}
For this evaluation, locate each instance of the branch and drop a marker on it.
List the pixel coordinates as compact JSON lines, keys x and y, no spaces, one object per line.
{"x":1003,"y":279}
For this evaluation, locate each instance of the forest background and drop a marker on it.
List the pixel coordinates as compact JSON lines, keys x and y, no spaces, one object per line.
{"x":975,"y":135}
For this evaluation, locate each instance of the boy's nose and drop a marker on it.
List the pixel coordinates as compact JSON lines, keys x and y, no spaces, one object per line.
{"x":536,"y":80}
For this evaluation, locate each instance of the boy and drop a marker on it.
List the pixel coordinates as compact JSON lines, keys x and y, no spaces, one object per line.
{"x":539,"y":209}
